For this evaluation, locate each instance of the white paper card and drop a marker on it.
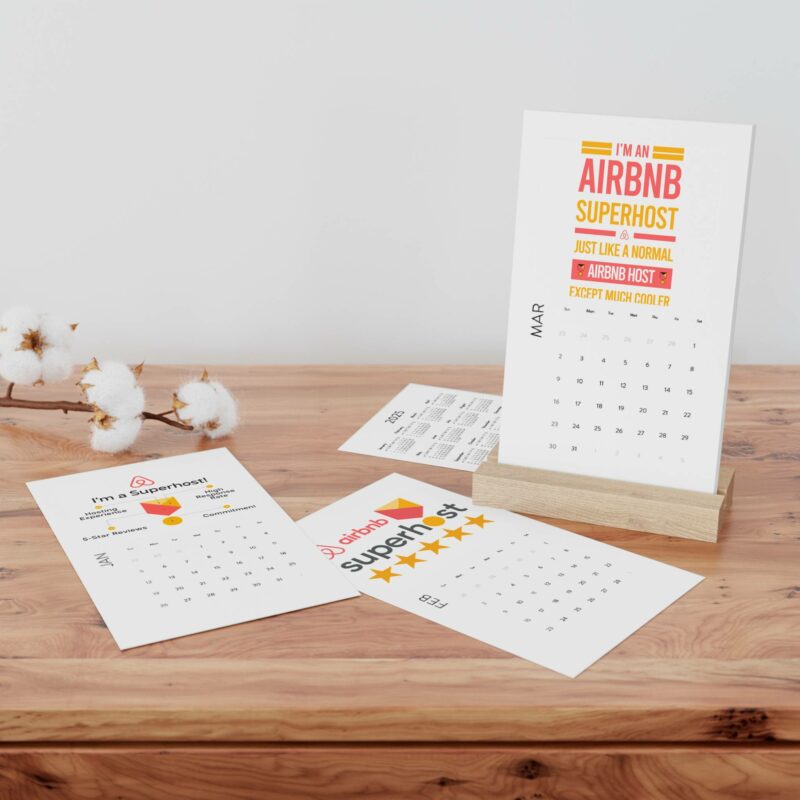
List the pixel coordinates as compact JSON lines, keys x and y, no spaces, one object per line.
{"x":542,"y":593}
{"x":184,"y":544}
{"x":626,"y":260}
{"x":432,"y":425}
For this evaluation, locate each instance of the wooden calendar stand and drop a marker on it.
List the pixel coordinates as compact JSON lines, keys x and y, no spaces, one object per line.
{"x":617,"y":504}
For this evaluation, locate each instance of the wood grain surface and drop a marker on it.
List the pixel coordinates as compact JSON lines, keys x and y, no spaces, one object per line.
{"x":433,"y":772}
{"x":718,"y":673}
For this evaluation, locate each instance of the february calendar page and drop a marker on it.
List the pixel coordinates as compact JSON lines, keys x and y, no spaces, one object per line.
{"x":626,"y":263}
{"x":542,"y":593}
{"x":184,"y":544}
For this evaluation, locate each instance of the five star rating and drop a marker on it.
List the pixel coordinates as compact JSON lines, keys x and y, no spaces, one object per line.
{"x":433,"y":547}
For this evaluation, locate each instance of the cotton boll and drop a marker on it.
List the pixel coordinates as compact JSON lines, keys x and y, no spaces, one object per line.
{"x":113,"y":372}
{"x":13,"y":324}
{"x":56,"y":332}
{"x":118,"y":437}
{"x":227,"y":404}
{"x":20,"y":319}
{"x":56,"y":364}
{"x":104,"y":393}
{"x":227,"y":415}
{"x":124,"y":404}
{"x":47,"y":339}
{"x":20,"y":366}
{"x":9,"y":340}
{"x":197,"y":403}
{"x":110,"y":386}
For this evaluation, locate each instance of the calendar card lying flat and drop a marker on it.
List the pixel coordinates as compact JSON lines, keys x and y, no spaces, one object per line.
{"x":626,"y":261}
{"x":431,"y":425}
{"x":542,"y":593}
{"x":178,"y":545}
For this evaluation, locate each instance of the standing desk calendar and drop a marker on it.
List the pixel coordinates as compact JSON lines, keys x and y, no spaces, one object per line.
{"x":626,"y":261}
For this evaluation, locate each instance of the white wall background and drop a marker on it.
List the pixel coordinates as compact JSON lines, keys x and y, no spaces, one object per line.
{"x":319,"y":181}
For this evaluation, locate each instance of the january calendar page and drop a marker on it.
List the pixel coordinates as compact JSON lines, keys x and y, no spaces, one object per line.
{"x":542,"y":593}
{"x":184,"y":544}
{"x":626,"y":262}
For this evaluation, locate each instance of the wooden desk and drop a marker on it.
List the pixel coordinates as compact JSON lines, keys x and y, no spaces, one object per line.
{"x":361,"y":699}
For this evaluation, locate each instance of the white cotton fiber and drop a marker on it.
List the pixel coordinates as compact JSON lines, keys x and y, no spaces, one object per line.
{"x":9,"y":340}
{"x":114,"y":371}
{"x":52,"y":345}
{"x":227,"y":415}
{"x":56,"y":364}
{"x":117,"y":438}
{"x":56,"y":332}
{"x":113,"y":385}
{"x":13,"y":324}
{"x":20,"y":320}
{"x":20,"y":366}
{"x":201,"y":403}
{"x":123,"y":404}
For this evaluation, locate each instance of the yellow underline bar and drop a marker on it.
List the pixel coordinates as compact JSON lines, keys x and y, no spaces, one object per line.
{"x":596,"y":144}
{"x":668,"y":156}
{"x":596,"y":151}
{"x":658,"y":148}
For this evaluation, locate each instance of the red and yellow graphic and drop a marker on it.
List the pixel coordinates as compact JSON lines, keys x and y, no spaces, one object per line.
{"x":667,"y":153}
{"x":659,"y":151}
{"x":596,"y":148}
{"x":163,"y":507}
{"x":627,"y":274}
{"x":430,"y":549}
{"x":401,"y":509}
{"x":622,"y":186}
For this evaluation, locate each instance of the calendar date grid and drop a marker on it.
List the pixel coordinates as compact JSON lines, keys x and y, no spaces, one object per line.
{"x":204,"y":565}
{"x":534,"y":581}
{"x":612,"y":389}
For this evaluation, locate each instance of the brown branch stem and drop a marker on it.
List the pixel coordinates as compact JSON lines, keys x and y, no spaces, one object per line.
{"x":163,"y":418}
{"x":69,"y":405}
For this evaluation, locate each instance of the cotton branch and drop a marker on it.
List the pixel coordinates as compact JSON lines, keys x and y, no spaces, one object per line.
{"x":71,"y":405}
{"x":36,"y":348}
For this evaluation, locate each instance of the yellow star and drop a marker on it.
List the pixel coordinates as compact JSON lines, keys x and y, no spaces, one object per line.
{"x":478,"y":521}
{"x":433,"y":547}
{"x":456,"y":533}
{"x":410,"y":560}
{"x":384,"y":574}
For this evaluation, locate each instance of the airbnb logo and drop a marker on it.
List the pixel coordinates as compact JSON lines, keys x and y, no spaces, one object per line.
{"x":137,"y":481}
{"x":330,"y":550}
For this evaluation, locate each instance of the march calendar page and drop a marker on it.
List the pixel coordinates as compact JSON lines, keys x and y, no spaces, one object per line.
{"x":542,"y":593}
{"x":626,"y":262}
{"x":184,"y":544}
